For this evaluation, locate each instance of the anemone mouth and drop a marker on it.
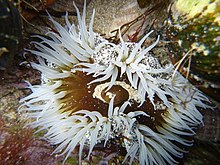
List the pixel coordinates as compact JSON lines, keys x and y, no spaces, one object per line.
{"x":95,"y":97}
{"x":94,"y":92}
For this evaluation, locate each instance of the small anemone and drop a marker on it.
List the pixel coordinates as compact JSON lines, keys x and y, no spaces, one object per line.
{"x":94,"y":91}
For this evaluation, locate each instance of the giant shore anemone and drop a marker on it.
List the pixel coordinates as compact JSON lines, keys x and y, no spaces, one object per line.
{"x":94,"y":92}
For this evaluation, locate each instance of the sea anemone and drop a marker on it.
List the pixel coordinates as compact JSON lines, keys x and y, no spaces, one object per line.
{"x":94,"y":91}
